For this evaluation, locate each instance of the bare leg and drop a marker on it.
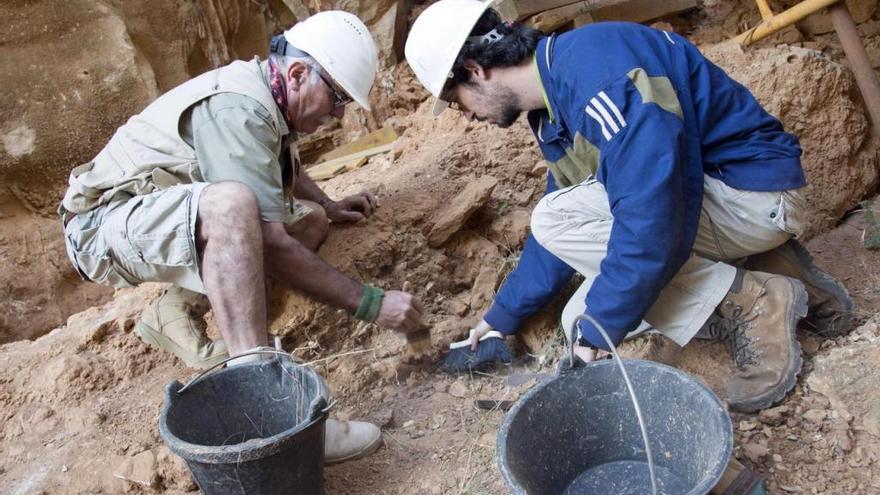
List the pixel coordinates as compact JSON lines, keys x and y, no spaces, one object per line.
{"x":230,"y":242}
{"x":311,"y":230}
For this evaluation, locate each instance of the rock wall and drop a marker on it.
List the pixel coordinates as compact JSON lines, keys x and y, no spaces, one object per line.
{"x":72,"y":72}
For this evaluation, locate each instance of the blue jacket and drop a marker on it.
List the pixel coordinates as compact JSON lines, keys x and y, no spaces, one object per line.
{"x":647,"y":115}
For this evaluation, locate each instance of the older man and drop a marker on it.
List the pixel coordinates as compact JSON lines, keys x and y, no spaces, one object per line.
{"x":199,"y":189}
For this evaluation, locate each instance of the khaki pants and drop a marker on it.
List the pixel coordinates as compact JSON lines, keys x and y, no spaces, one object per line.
{"x":575,"y":225}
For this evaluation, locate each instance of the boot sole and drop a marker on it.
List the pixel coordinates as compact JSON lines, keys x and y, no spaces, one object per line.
{"x":839,"y":324}
{"x":798,"y":310}
{"x":158,"y":341}
{"x":359,"y":455}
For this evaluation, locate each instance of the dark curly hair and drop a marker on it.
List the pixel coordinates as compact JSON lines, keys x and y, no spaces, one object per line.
{"x":519,"y":41}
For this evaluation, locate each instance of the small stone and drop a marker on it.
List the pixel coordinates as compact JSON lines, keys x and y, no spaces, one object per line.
{"x":458,"y":389}
{"x":815,"y":416}
{"x":790,"y":489}
{"x":777,"y":458}
{"x":747,"y":426}
{"x":755,"y":451}
{"x":773,"y":416}
{"x":64,"y":468}
{"x":139,"y":469}
{"x":409,"y":424}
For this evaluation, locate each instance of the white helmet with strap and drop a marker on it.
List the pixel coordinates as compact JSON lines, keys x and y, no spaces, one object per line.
{"x":436,"y":37}
{"x":343,"y":46}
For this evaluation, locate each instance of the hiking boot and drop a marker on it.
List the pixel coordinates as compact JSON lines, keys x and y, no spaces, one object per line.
{"x":830,"y":307}
{"x":760,"y":316}
{"x":349,"y":440}
{"x":176,"y":322}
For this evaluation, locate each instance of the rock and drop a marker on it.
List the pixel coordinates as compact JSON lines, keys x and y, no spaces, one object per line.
{"x":140,"y":469}
{"x":483,"y":290}
{"x":817,"y":100}
{"x":455,"y":306}
{"x":173,"y":472}
{"x":815,"y":416}
{"x":850,"y":377}
{"x":755,"y":451}
{"x":449,"y":220}
{"x":747,"y":425}
{"x":459,"y":389}
{"x":773,"y":416}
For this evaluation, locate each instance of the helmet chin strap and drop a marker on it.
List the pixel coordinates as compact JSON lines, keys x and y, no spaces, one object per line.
{"x":486,"y":39}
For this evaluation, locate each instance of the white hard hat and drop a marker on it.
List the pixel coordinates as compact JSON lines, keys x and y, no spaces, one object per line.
{"x":436,"y":38}
{"x":342,"y":44}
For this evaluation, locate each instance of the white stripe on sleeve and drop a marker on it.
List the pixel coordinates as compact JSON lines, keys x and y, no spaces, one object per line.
{"x":613,"y":108}
{"x":597,"y":118}
{"x":605,"y":115}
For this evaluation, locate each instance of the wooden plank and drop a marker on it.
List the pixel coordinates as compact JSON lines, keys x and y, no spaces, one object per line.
{"x":515,"y":10}
{"x":336,"y":166}
{"x":642,"y":10}
{"x":385,"y":135}
{"x":325,"y":171}
{"x":299,"y":10}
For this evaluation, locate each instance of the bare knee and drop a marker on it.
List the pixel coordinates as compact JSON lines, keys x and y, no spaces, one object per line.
{"x":227,"y":208}
{"x":312,"y":229}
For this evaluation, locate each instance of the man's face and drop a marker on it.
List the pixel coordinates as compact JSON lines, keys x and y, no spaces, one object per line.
{"x":313,"y":99}
{"x":484,"y":101}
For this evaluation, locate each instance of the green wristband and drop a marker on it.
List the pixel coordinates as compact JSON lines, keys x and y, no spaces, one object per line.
{"x":371,"y":302}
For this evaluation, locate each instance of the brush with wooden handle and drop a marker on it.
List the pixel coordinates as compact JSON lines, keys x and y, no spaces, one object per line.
{"x":418,"y":343}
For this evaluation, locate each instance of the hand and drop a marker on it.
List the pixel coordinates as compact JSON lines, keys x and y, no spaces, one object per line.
{"x":478,"y":331}
{"x":587,"y":354}
{"x":400,"y":311}
{"x":351,"y":208}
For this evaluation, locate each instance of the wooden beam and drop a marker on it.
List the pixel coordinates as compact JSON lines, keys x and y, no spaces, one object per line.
{"x":551,"y":20}
{"x":641,"y":10}
{"x":299,"y":10}
{"x":515,"y":10}
{"x":401,"y":28}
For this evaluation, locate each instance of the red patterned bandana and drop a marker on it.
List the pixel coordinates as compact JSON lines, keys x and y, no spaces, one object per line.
{"x":279,"y":91}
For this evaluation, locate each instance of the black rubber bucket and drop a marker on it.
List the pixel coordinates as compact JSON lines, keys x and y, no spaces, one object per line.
{"x":250,"y":429}
{"x":578,"y":434}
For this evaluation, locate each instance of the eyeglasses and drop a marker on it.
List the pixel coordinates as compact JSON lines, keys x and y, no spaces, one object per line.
{"x":340,"y":99}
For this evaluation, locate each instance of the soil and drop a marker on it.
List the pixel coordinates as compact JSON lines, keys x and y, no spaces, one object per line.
{"x":80,"y":404}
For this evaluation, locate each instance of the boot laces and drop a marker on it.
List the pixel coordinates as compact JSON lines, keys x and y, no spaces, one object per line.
{"x":735,"y":328}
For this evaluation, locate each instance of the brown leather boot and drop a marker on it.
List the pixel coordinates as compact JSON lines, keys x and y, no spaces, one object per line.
{"x":830,"y":311}
{"x":176,"y":322}
{"x":760,"y":314}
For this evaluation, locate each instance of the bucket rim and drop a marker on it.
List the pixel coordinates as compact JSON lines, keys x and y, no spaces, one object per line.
{"x":708,"y":481}
{"x":250,"y":450}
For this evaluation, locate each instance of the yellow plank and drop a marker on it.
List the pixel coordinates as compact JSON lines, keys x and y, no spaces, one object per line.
{"x":383,"y":136}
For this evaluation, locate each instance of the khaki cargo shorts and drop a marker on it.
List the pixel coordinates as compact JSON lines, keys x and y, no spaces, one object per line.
{"x":150,"y":238}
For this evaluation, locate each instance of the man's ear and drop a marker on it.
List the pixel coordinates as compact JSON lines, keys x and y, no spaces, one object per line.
{"x":476,"y":71}
{"x":297,"y":74}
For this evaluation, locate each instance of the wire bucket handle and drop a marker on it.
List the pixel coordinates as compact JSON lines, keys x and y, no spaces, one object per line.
{"x":266,"y":350}
{"x":573,"y":333}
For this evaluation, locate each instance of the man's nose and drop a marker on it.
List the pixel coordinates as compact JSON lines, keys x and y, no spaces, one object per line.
{"x":468,"y":115}
{"x":338,"y":112}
